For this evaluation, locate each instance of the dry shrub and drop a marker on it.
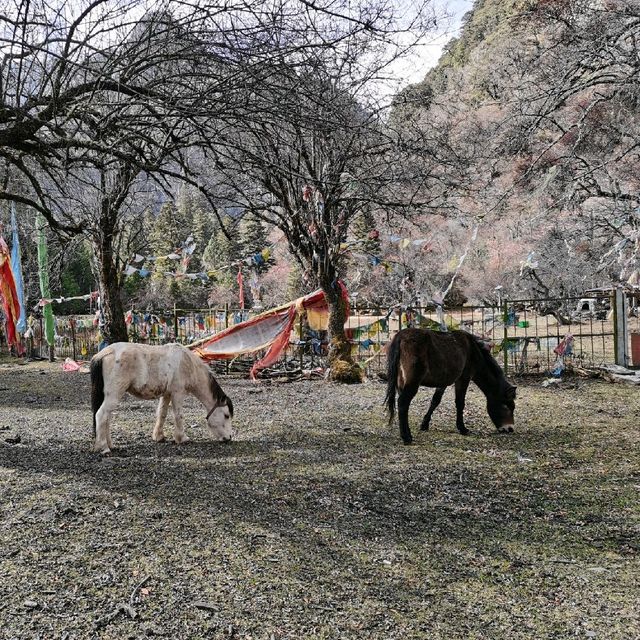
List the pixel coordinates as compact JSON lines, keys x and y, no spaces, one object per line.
{"x":346,"y":372}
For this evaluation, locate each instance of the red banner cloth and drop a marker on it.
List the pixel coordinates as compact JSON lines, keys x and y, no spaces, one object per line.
{"x":9,"y":296}
{"x":269,"y":330}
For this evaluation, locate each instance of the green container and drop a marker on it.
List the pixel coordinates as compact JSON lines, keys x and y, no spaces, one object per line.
{"x":523,"y":324}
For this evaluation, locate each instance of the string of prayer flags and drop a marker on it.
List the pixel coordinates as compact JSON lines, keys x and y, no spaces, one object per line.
{"x":87,"y":296}
{"x":184,"y":253}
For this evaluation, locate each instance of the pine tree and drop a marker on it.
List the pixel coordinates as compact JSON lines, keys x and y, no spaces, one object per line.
{"x":254,"y":241}
{"x":203,"y":231}
{"x":167,"y":230}
{"x":221,"y":252}
{"x":364,"y":229}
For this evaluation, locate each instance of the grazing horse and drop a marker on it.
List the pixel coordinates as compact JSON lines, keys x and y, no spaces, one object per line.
{"x":421,"y":357}
{"x":169,"y":372}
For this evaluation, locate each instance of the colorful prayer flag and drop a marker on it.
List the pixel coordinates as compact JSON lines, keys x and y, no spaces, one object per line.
{"x":16,"y":267}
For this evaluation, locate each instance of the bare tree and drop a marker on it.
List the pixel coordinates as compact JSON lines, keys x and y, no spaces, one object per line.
{"x":128,"y":90}
{"x":572,"y":121}
{"x":315,"y":151}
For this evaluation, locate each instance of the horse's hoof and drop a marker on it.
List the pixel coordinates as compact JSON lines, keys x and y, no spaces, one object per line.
{"x":157,"y":438}
{"x":407,"y":442}
{"x":464,"y":432}
{"x":182,"y":440}
{"x":102,"y":449}
{"x":424,"y":427}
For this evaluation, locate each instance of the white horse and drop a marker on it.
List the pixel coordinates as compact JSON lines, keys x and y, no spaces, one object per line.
{"x":168,"y":372}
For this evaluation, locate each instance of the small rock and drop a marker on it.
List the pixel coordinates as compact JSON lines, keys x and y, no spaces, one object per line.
{"x":15,"y":440}
{"x":30,"y":604}
{"x":153,"y":630}
{"x":207,"y":606}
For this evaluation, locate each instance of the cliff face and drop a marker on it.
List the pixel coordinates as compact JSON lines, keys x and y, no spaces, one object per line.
{"x":538,"y":100}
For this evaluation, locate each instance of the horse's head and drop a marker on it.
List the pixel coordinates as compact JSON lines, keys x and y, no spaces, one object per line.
{"x":219,"y":420}
{"x":501,"y":407}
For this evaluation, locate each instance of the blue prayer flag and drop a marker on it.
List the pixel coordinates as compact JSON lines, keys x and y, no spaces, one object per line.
{"x":16,"y":267}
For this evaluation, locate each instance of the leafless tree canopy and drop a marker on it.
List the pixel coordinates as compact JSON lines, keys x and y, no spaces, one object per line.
{"x":250,"y":100}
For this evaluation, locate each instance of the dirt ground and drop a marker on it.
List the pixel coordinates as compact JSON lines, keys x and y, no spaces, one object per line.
{"x":316,"y":522}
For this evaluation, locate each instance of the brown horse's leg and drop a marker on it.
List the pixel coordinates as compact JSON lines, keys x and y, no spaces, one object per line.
{"x":435,"y":401}
{"x":404,"y":400}
{"x":462,"y":384}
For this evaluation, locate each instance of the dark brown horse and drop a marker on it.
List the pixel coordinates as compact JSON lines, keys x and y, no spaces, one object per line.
{"x":421,"y":357}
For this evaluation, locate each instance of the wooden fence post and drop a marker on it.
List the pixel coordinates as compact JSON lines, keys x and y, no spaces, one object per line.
{"x":302,"y":342}
{"x":226,"y":326}
{"x":175,"y":322}
{"x":620,"y":328}
{"x":72,"y":324}
{"x":505,"y":319}
{"x":41,"y":336}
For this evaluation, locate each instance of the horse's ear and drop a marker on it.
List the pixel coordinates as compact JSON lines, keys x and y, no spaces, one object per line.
{"x":230,"y":405}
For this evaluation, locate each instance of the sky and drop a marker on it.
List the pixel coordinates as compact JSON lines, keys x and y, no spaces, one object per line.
{"x":415,"y":69}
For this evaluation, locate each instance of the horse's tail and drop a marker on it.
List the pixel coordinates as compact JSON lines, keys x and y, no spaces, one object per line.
{"x":97,"y":388}
{"x":393,"y":360}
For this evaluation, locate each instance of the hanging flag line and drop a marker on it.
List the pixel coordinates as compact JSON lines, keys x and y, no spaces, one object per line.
{"x":185,"y":252}
{"x":87,"y":296}
{"x":257,"y":259}
{"x":376,"y":260}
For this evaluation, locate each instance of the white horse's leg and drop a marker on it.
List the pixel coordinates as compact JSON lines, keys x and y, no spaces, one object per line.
{"x":178,"y":433}
{"x":109,"y":420}
{"x":103,"y":426}
{"x":161,"y":414}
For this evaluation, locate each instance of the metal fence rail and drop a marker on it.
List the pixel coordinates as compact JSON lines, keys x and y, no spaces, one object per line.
{"x":526,"y":336}
{"x":523,"y":335}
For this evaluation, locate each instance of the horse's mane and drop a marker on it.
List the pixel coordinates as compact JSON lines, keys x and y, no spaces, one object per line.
{"x":490,"y":361}
{"x":218,"y":394}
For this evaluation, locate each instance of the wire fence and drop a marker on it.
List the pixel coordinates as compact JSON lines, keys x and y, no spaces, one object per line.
{"x":526,"y":336}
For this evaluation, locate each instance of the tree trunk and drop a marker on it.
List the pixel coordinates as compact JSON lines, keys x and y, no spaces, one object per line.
{"x":341,"y":364}
{"x":115,"y":329}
